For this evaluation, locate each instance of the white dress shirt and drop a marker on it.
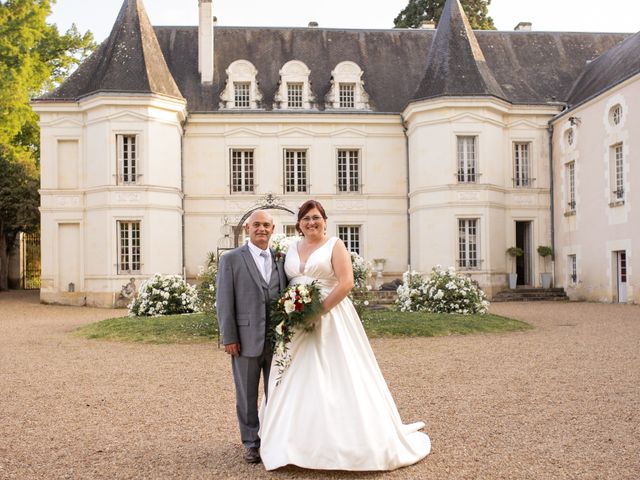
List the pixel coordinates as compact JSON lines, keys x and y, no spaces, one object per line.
{"x":259,"y":261}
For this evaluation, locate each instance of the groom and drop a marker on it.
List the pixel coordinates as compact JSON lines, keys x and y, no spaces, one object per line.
{"x":248,"y":281}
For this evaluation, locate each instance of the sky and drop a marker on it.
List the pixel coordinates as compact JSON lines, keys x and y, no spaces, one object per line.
{"x":545,"y":15}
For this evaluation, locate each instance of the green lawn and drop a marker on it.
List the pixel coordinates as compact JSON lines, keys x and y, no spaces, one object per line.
{"x":193,"y":328}
{"x":197,"y":328}
{"x":401,"y":324}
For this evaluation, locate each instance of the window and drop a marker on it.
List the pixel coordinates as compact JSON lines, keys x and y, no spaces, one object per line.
{"x":295,"y":171}
{"x":350,"y":235}
{"x":128,"y":247}
{"x":127,"y":160}
{"x":241,"y":88}
{"x":290,"y":230}
{"x":348,"y":171}
{"x":242,"y":98}
{"x":521,"y":165}
{"x":615,"y":115}
{"x":294,"y":95}
{"x":294,"y":89}
{"x":466,"y":159}
{"x":571,"y":186}
{"x":347,"y":88}
{"x":468,"y":243}
{"x":242,"y":171}
{"x":347,"y":95}
{"x":617,"y":177}
{"x":572,"y":269}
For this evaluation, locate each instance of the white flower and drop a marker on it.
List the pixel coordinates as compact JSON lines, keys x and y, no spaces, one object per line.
{"x":279,"y":328}
{"x":289,"y":306}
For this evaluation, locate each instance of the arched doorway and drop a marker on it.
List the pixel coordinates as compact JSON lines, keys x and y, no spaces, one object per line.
{"x":269,"y":202}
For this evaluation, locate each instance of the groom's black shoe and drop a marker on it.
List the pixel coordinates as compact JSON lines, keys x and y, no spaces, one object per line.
{"x":252,"y":455}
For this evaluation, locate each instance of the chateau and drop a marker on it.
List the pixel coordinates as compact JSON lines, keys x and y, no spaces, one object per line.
{"x":426,"y":146}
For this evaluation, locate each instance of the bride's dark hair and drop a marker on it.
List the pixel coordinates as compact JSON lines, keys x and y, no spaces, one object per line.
{"x":305,"y":208}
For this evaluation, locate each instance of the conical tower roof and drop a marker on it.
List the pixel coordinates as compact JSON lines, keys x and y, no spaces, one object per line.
{"x":456,"y":65}
{"x":129,"y":61}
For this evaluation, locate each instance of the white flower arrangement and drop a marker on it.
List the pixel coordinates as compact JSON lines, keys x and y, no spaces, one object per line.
{"x":361,"y":271}
{"x":164,"y":295}
{"x":280,"y":243}
{"x":444,"y":292}
{"x":207,"y":285}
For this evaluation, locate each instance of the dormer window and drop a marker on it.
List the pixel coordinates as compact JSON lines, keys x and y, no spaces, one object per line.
{"x":294,"y":90}
{"x":241,"y":90}
{"x":347,"y":95}
{"x":242,"y":98}
{"x":294,"y":95}
{"x":347,"y":88}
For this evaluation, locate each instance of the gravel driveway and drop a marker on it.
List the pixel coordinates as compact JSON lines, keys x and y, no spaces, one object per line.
{"x":559,"y":402}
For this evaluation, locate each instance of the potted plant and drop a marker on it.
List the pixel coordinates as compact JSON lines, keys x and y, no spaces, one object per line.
{"x":545,"y":277}
{"x":514,"y":252}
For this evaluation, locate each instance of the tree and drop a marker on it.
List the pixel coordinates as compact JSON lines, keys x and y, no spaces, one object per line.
{"x":419,"y":11}
{"x":34,"y":57}
{"x":19,"y":201}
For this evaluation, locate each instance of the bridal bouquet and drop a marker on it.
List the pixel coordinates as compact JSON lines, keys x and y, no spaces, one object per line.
{"x":294,"y":310}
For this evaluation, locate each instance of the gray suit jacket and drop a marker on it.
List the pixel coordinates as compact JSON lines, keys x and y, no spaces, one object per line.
{"x":240,"y":301}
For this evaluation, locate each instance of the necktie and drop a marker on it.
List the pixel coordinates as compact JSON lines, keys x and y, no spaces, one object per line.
{"x":266,"y":268}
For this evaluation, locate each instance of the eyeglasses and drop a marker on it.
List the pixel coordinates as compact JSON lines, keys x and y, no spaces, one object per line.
{"x":315,"y":218}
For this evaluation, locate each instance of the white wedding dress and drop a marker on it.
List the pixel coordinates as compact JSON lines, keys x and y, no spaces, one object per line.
{"x":332,"y":409}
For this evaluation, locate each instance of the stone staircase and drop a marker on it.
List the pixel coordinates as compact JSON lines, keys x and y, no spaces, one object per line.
{"x":528,"y":294}
{"x":382,"y":297}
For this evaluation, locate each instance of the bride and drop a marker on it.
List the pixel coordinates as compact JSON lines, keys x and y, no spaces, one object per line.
{"x":332,"y":409}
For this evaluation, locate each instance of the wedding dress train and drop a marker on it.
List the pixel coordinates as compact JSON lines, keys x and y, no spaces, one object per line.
{"x":332,"y":409}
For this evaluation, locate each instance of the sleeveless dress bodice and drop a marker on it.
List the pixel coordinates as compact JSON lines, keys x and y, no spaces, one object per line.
{"x":317,"y":268}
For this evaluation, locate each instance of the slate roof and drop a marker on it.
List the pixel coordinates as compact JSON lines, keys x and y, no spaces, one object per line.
{"x":128,"y":61}
{"x":608,"y":70}
{"x":520,"y":67}
{"x":456,"y":64}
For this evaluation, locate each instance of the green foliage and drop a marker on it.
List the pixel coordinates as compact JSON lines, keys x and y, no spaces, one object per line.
{"x":199,"y":328}
{"x":34,"y":57}
{"x":164,"y":295}
{"x":515,"y":252}
{"x":359,"y":294}
{"x":423,"y":324}
{"x":444,"y":292}
{"x":207,"y":285}
{"x":19,"y":201}
{"x":544,"y":251}
{"x":419,"y":11}
{"x":194,"y":328}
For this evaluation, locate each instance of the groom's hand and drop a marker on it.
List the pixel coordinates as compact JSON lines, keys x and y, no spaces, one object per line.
{"x":232,"y":349}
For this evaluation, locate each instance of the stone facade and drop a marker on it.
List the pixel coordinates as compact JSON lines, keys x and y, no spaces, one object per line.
{"x":154,"y":149}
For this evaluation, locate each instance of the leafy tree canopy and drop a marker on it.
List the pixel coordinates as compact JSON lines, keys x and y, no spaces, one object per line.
{"x":419,"y":11}
{"x":34,"y":57}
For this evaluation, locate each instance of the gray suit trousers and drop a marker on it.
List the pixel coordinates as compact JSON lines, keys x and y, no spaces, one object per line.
{"x":246,"y":375}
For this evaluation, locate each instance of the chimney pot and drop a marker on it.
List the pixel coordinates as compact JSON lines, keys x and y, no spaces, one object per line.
{"x":313,"y":24}
{"x":523,"y":27}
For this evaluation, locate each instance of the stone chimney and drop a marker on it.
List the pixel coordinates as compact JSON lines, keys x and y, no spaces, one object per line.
{"x":205,"y":40}
{"x":523,"y":27}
